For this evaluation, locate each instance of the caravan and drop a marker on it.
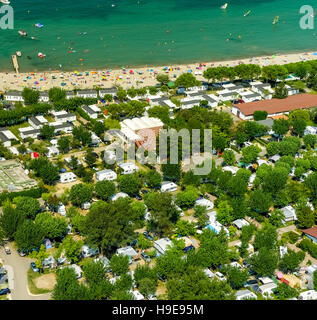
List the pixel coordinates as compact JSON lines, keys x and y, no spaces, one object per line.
{"x":168,"y":186}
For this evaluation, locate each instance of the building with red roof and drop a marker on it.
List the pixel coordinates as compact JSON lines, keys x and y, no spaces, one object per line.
{"x":275,"y":107}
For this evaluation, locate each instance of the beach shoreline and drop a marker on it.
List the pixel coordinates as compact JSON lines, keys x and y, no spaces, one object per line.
{"x":139,"y":77}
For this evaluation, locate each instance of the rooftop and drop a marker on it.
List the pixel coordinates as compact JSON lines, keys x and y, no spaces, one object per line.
{"x":300,"y":101}
{"x":311,"y":231}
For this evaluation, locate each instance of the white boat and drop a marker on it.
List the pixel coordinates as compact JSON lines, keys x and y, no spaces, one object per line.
{"x":276,"y":20}
{"x":22,"y":33}
{"x":5,"y":1}
{"x":223,"y":7}
{"x":19,"y":53}
{"x":247,"y":13}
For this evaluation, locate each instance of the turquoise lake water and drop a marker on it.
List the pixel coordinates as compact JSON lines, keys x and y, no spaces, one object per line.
{"x":134,"y":33}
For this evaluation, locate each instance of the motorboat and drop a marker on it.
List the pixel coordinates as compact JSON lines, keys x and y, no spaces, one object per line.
{"x":39,"y":25}
{"x":247,"y":13}
{"x":22,"y":33}
{"x":5,"y":1}
{"x":223,"y":7}
{"x":276,"y":20}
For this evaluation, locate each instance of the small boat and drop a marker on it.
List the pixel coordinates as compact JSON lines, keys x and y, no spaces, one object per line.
{"x":247,"y":13}
{"x":19,"y":53}
{"x":41,"y":55}
{"x":223,"y":7}
{"x":5,"y":1}
{"x":22,"y":33}
{"x":276,"y":19}
{"x":39,"y":25}
{"x":113,"y":5}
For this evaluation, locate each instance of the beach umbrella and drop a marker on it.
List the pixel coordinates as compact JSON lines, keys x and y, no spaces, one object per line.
{"x":315,"y":53}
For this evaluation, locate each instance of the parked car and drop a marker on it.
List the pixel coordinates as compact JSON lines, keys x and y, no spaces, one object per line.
{"x":5,"y":291}
{"x":138,"y":197}
{"x":150,"y":235}
{"x":220,"y":276}
{"x":145,"y":257}
{"x":7,"y":250}
{"x":22,"y":253}
{"x":34,"y":267}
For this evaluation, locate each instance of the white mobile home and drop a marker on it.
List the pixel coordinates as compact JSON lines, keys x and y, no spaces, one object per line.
{"x":29,"y":132}
{"x":168,"y":186}
{"x":14,"y":96}
{"x":87,"y":94}
{"x":108,"y":175}
{"x":267,"y":289}
{"x":204,"y":203}
{"x":6,"y":137}
{"x":37,"y":122}
{"x":128,"y":167}
{"x":162,"y":245}
{"x":92,"y":111}
{"x":67,"y":177}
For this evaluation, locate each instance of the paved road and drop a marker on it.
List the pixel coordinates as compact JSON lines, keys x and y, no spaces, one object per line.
{"x":17,"y":271}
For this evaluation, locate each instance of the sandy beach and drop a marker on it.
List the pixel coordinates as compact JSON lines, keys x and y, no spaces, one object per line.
{"x":136,"y":77}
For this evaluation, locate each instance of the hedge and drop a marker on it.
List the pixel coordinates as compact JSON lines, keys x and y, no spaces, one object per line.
{"x":33,"y":193}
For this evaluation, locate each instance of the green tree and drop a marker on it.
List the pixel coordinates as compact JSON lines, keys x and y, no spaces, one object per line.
{"x":82,"y":134}
{"x":280,"y":91}
{"x":162,"y":78}
{"x":72,"y":248}
{"x":285,"y":292}
{"x":153,"y":179}
{"x":67,"y":287}
{"x":276,"y":218}
{"x":10,"y":219}
{"x":171,"y":171}
{"x":63,"y":144}
{"x":90,"y":159}
{"x":147,"y":287}
{"x":27,"y":206}
{"x":30,"y":96}
{"x":291,"y":260}
{"x":56,"y":94}
{"x":229,"y":157}
{"x":260,"y":201}
{"x":28,"y":236}
{"x":80,"y":193}
{"x":130,"y":184}
{"x":250,"y":154}
{"x":51,"y":227}
{"x":310,"y":140}
{"x":47,"y":132}
{"x":280,"y":126}
{"x":237,"y":277}
{"x":305,"y":217}
{"x":299,"y":126}
{"x":259,"y":115}
{"x":187,"y":198}
{"x":187,"y":80}
{"x":105,"y":189}
{"x":119,"y":264}
{"x":264,"y":262}
{"x":39,"y":256}
{"x":224,"y":213}
{"x":108,"y":225}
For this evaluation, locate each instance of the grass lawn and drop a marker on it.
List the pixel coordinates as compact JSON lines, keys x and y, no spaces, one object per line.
{"x":32,"y":287}
{"x":4,"y":298}
{"x":15,"y":129}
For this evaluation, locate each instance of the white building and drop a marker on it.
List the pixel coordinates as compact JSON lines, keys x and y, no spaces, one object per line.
{"x":44,"y":97}
{"x":29,"y":132}
{"x":245,"y":295}
{"x":205,"y":203}
{"x":264,"y":89}
{"x":108,"y":175}
{"x":6,"y":137}
{"x":267,"y":289}
{"x":62,"y":126}
{"x":87,"y":94}
{"x":162,"y":245}
{"x":112,"y":91}
{"x":128,"y":167}
{"x":291,"y":91}
{"x":92,"y":111}
{"x":14,"y":96}
{"x":70,"y":95}
{"x":63,"y":116}
{"x":308,"y":295}
{"x":239,"y":223}
{"x":289,"y":214}
{"x":119,"y":195}
{"x":168,"y":186}
{"x":37,"y":122}
{"x":226,"y":95}
{"x":231,"y":169}
{"x":67,"y":177}
{"x":52,"y":152}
